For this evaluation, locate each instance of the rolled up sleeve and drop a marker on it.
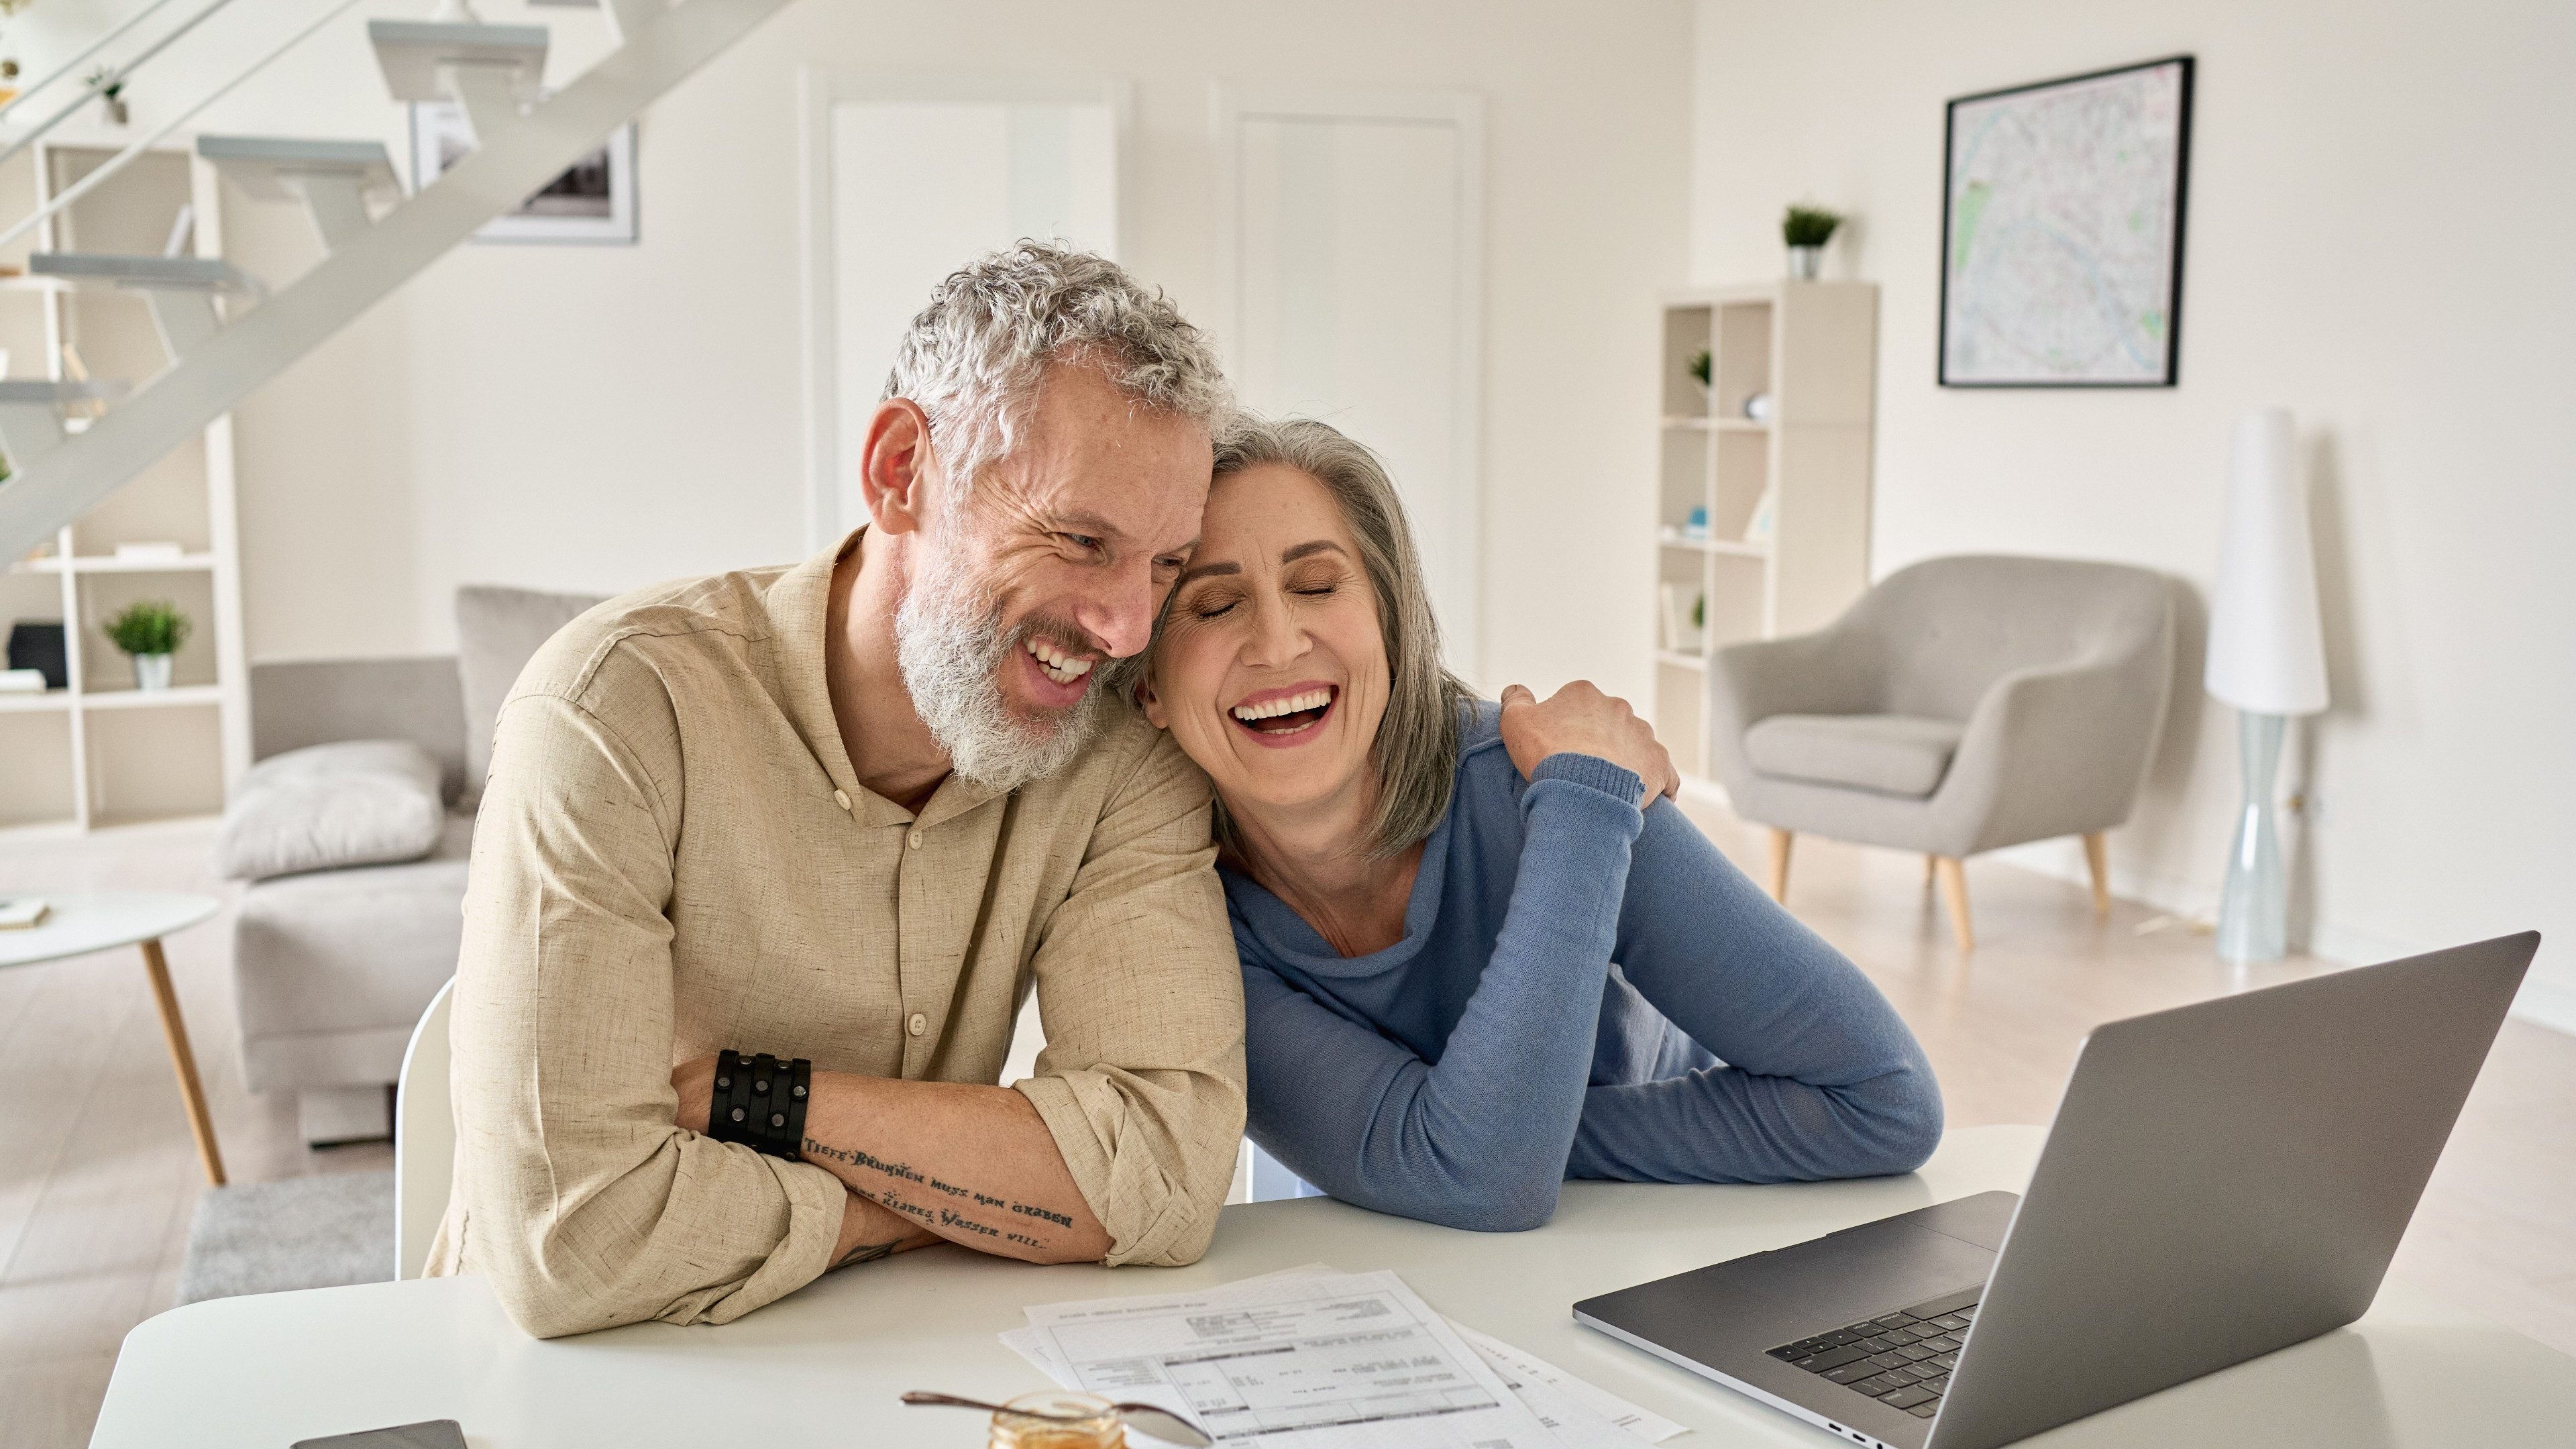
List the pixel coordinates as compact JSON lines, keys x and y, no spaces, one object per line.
{"x":1141,"y":1081}
{"x":577,"y":1194}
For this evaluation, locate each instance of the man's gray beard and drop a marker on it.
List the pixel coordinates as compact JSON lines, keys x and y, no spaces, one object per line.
{"x":952,"y":650}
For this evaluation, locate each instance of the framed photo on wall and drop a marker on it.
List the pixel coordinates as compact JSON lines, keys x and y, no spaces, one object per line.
{"x":592,"y":202}
{"x":2061,"y":230}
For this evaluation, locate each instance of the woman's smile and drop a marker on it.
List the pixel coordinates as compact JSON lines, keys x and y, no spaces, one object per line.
{"x":1286,"y":717}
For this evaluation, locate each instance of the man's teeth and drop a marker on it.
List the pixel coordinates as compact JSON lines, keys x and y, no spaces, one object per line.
{"x":1287,"y":704}
{"x":1058,"y":667}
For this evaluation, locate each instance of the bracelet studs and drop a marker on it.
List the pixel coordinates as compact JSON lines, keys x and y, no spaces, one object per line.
{"x":765,"y":1109}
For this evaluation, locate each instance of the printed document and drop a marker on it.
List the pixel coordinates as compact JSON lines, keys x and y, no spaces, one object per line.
{"x":1350,"y":1361}
{"x":1577,"y":1414}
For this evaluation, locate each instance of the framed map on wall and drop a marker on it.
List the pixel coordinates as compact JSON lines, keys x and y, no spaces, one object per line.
{"x":2061,"y":231}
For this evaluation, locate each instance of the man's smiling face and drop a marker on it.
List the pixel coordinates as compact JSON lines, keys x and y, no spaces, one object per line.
{"x":1053,"y":565}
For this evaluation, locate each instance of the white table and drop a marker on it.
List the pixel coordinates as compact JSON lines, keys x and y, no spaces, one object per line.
{"x":824,"y":1366}
{"x":82,"y":923}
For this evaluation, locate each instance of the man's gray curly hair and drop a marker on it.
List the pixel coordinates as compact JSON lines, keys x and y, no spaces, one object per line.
{"x":974,"y":357}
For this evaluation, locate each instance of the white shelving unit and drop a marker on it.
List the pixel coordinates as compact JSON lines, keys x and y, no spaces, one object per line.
{"x":1762,"y":522}
{"x":102,"y":752}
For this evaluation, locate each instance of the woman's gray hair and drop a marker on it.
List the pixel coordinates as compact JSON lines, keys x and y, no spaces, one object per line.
{"x":1416,"y":749}
{"x":974,"y":357}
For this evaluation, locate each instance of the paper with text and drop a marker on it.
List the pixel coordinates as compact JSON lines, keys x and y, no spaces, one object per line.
{"x":1351,"y":1361}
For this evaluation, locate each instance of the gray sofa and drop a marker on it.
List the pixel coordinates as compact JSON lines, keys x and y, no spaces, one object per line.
{"x":332,"y":968}
{"x":1963,"y":705}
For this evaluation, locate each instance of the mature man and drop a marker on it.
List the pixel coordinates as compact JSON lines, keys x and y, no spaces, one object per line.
{"x":851,"y":811}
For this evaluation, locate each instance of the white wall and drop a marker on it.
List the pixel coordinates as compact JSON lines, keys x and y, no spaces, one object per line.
{"x":596,"y":418}
{"x":2379,"y":196}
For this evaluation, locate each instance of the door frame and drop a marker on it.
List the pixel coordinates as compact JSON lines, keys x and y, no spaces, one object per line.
{"x":1228,"y":106}
{"x":818,"y":90}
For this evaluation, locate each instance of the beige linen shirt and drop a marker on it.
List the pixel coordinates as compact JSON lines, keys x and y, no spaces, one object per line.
{"x":674,"y":856}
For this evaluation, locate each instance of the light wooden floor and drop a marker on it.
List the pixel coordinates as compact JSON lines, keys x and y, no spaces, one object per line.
{"x":97,"y":1178}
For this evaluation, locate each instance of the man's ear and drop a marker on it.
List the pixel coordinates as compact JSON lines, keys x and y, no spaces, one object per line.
{"x":898,"y":472}
{"x":1152,"y":704}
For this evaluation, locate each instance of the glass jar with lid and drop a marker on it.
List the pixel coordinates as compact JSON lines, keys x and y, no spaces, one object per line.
{"x":1058,"y":1420}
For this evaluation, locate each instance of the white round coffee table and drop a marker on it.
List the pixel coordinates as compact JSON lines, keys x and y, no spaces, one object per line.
{"x":86,"y":921}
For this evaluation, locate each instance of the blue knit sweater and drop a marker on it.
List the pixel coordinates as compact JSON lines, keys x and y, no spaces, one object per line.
{"x":1583,"y":990}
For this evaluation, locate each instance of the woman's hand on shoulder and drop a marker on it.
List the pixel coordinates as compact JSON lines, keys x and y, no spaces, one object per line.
{"x":1579,"y":719}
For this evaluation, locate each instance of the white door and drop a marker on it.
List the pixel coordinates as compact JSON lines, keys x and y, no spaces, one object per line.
{"x":1351,"y":237}
{"x":908,"y":179}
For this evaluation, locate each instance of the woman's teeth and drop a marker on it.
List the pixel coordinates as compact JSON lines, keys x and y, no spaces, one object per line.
{"x":1286,"y":704}
{"x":1055,"y":663}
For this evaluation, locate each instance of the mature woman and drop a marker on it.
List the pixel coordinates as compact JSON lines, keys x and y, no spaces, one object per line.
{"x":1481,"y":954}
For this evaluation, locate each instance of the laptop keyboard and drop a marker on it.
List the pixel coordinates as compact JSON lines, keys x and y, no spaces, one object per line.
{"x":1900,"y":1360}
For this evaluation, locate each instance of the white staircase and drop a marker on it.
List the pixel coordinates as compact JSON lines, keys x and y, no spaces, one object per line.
{"x":226,"y":333}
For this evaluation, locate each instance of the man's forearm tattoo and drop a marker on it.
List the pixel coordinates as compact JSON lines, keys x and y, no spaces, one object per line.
{"x":940,"y":1217}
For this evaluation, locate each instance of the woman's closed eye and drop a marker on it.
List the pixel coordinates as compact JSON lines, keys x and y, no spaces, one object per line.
{"x":1211,"y":603}
{"x":1316,"y":582}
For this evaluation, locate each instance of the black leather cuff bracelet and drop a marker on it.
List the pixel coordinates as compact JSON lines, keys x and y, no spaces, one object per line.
{"x":760,"y":1102}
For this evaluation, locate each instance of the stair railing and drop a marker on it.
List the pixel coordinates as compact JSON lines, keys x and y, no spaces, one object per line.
{"x":121,"y":71}
{"x":123,"y":158}
{"x":75,"y":63}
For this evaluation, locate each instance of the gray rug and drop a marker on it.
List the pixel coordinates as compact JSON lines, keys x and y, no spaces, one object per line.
{"x":298,"y":1232}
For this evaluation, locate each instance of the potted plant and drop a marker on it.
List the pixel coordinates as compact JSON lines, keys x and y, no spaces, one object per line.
{"x":150,"y":630}
{"x":111,"y":89}
{"x":1806,"y":229}
{"x":1701,"y":369}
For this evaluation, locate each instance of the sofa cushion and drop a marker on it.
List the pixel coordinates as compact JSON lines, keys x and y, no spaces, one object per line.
{"x":326,"y":807}
{"x":333,"y":969}
{"x":1888,"y":754}
{"x":498,"y":630}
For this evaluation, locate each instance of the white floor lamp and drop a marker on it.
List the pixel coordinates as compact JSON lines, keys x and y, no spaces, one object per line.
{"x":2267,"y":658}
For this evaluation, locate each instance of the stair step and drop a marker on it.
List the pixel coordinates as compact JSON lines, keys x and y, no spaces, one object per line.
{"x":31,"y":416}
{"x":146,"y":273}
{"x":257,"y":162}
{"x":28,"y":390}
{"x":413,"y":52}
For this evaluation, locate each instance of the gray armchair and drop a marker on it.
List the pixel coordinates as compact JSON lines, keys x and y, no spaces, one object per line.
{"x":1963,"y":705}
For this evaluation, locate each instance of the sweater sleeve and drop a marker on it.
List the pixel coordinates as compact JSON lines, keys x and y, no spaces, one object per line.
{"x":1818,"y":1077}
{"x":1480,"y":1139}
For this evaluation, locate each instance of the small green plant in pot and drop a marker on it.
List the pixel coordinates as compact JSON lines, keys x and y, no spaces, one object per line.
{"x":1806,"y":229}
{"x":150,"y":630}
{"x":1701,"y":368}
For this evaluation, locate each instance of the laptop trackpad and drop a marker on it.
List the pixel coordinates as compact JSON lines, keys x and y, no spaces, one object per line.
{"x":1872,"y":1269}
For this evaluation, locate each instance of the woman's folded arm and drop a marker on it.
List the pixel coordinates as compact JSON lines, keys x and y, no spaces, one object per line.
{"x":1478,"y":1140}
{"x":1819,"y":1077}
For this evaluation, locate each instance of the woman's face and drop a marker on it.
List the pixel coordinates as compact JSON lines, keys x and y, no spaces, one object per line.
{"x":1271,"y":671}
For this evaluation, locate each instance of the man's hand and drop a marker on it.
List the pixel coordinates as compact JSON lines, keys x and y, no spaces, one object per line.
{"x":1579,"y":719}
{"x":696,"y":1083}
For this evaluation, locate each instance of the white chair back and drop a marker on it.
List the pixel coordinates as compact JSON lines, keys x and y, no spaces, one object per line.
{"x":424,"y":1138}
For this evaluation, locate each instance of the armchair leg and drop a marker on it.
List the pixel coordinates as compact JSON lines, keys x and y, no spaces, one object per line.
{"x":1953,"y":876}
{"x":1780,"y":863}
{"x":2097,"y":854}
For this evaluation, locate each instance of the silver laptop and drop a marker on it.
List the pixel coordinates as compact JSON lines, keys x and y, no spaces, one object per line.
{"x":2222,"y":1180}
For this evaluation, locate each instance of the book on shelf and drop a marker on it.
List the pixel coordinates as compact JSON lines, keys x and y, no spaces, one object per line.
{"x":22,"y":913}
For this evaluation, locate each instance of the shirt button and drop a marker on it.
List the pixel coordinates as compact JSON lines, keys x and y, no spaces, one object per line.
{"x":913,"y":840}
{"x":841,"y":798}
{"x":918,"y":1024}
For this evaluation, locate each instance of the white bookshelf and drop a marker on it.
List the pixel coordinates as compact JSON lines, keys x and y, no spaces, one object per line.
{"x":1761,"y":523}
{"x":102,"y":752}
